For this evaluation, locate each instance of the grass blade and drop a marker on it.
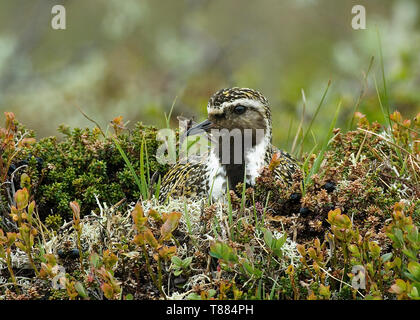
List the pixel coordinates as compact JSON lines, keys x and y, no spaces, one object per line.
{"x":128,"y":163}
{"x":320,"y":157}
{"x":316,"y":112}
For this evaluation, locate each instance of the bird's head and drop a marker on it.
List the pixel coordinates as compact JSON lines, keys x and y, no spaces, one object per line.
{"x":236,"y":108}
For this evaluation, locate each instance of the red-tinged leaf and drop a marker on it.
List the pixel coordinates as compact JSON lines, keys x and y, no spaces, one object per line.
{"x":76,"y":210}
{"x":399,"y":287}
{"x":24,"y":216}
{"x":155,"y":215}
{"x":396,"y":289}
{"x":150,"y":238}
{"x":26,"y":142}
{"x":10,"y":118}
{"x":407,"y":123}
{"x":275,"y":161}
{"x":139,"y":239}
{"x":110,"y":259}
{"x":51,"y":259}
{"x":166,"y":252}
{"x":137,"y":214}
{"x":332,"y":214}
{"x":22,"y":198}
{"x":301,"y":250}
{"x":359,"y":115}
{"x":170,"y":225}
{"x":105,"y":275}
{"x":45,"y":271}
{"x":118,"y":120}
{"x":11,"y":238}
{"x":108,"y":291}
{"x":396,"y":116}
{"x":118,"y":124}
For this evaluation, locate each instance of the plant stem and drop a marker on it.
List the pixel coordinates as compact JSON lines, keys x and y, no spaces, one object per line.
{"x":160,"y":278}
{"x":148,"y":264}
{"x":31,"y":261}
{"x":12,"y":275}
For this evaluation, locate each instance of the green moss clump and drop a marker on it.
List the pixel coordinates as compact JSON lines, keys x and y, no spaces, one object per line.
{"x":54,"y":221}
{"x":85,"y":164}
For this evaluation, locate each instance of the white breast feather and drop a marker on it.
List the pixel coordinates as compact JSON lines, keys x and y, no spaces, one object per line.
{"x":217,"y":177}
{"x":255,"y":161}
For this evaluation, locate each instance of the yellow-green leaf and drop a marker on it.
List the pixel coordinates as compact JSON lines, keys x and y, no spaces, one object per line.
{"x":170,"y":225}
{"x":22,"y":198}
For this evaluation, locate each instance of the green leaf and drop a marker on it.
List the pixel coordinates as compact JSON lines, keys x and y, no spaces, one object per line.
{"x":399,"y":236}
{"x":280,"y":241}
{"x":81,"y":290}
{"x":386,"y":257}
{"x":186,"y":262}
{"x":324,"y":291}
{"x":414,"y":268}
{"x":194,"y":296}
{"x":410,"y":254}
{"x":354,"y":250}
{"x":397,"y":262}
{"x":211,"y":293}
{"x":401,"y":283}
{"x":95,"y":260}
{"x":375,"y":249}
{"x":413,"y":235}
{"x":31,"y":208}
{"x":414,"y":294}
{"x":268,"y":238}
{"x":176,"y":261}
{"x":220,"y":250}
{"x":249,"y":268}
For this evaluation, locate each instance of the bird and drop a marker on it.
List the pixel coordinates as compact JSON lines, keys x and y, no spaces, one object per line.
{"x":239,"y":125}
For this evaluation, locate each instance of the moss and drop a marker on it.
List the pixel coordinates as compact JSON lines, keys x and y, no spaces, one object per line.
{"x":54,"y":221}
{"x":83,"y":165}
{"x":359,"y":209}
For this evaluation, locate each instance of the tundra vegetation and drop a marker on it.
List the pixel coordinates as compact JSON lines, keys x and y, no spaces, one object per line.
{"x":79,"y":219}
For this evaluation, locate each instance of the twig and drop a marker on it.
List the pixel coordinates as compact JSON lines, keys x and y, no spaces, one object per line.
{"x":331,"y":276}
{"x":386,"y":140}
{"x":90,"y":119}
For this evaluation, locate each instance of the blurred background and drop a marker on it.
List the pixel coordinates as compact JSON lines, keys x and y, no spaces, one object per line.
{"x":134,"y":57}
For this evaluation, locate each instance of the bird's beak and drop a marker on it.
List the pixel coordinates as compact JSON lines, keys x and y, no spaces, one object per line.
{"x":204,"y":126}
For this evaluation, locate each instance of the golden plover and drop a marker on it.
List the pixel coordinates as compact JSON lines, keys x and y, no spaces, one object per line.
{"x":241,"y":117}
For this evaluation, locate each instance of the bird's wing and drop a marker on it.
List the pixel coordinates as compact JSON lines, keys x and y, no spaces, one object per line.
{"x":184,"y":179}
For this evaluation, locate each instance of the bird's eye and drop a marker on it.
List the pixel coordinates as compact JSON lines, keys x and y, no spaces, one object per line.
{"x":239,"y":109}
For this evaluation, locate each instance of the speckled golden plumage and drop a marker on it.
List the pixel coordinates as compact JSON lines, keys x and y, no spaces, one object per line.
{"x":193,"y":179}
